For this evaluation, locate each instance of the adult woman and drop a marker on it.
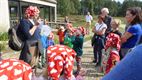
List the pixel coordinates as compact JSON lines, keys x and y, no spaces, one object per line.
{"x":28,"y":31}
{"x":133,"y":32}
{"x":98,"y":45}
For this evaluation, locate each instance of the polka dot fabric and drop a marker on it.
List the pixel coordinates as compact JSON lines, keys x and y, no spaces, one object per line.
{"x":13,"y":69}
{"x":112,"y":43}
{"x":32,"y":11}
{"x":113,"y":40}
{"x":60,"y":58}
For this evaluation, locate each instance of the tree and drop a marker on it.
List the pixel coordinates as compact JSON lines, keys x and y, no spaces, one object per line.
{"x":63,"y":7}
{"x":97,"y":6}
{"x":77,"y":6}
{"x":88,"y":5}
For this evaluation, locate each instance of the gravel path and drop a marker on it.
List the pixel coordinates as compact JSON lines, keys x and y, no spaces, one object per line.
{"x":92,"y":73}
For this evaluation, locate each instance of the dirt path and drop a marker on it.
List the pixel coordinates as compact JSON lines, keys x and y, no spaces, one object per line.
{"x":87,"y":64}
{"x":87,"y":58}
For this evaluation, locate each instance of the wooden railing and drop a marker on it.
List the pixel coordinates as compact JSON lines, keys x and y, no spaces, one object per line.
{"x":56,"y":24}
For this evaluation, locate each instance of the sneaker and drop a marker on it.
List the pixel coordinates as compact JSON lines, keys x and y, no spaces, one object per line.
{"x":97,"y":65}
{"x":94,"y":61}
{"x":76,"y":73}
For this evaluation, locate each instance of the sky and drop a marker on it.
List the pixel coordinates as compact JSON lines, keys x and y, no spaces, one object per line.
{"x":120,"y":1}
{"x":123,"y":0}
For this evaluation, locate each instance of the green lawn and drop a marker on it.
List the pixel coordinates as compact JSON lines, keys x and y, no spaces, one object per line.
{"x":79,"y":20}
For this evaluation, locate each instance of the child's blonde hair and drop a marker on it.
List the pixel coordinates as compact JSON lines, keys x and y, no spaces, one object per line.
{"x":116,"y":21}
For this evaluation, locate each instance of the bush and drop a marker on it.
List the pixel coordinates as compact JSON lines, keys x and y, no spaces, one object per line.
{"x":4,"y":36}
{"x":3,"y":39}
{"x":2,"y":46}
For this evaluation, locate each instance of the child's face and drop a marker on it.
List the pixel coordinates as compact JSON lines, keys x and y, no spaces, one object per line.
{"x":70,"y":33}
{"x":113,"y":24}
{"x":78,"y":32}
{"x":61,"y":29}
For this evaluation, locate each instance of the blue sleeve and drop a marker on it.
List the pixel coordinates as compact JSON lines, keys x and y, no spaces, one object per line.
{"x":130,"y":68}
{"x":25,"y":27}
{"x":44,"y":41}
{"x":133,"y":30}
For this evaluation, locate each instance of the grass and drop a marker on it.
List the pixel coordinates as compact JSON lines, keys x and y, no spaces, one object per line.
{"x":79,"y":20}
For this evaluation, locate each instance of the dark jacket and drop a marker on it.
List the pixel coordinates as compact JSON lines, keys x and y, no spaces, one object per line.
{"x":23,"y":31}
{"x":78,"y":45}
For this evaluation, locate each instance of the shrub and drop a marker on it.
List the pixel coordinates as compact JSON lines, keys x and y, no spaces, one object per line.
{"x":3,"y":39}
{"x":4,"y":36}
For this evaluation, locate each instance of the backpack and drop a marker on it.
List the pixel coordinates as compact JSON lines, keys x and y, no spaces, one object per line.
{"x":14,"y":41}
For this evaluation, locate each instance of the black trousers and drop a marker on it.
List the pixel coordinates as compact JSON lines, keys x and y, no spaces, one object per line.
{"x":25,"y":54}
{"x":97,"y":54}
{"x":97,"y":48}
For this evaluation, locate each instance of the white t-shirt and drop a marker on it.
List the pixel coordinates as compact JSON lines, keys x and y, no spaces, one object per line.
{"x":99,"y":27}
{"x":88,"y":18}
{"x":32,"y":21}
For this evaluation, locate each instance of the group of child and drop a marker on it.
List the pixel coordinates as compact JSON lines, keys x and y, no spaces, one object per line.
{"x":73,"y":38}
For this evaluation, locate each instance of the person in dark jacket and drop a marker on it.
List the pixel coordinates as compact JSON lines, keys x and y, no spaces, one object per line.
{"x":107,"y":19}
{"x":29,"y":32}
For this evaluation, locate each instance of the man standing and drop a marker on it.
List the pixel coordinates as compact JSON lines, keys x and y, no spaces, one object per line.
{"x":107,"y":19}
{"x":88,"y":18}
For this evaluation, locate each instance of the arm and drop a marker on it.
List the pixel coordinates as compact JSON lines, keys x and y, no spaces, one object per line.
{"x":101,"y":32}
{"x":93,"y":30}
{"x":126,"y":36}
{"x":129,"y":33}
{"x":32,"y":30}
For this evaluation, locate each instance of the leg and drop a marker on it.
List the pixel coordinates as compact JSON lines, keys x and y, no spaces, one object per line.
{"x":99,"y":56}
{"x":55,"y":68}
{"x":124,"y":51}
{"x":68,"y":68}
{"x":95,"y":53}
{"x":78,"y":58}
{"x":25,"y":55}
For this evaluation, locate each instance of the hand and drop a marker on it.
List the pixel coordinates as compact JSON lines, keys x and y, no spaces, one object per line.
{"x":37,"y":22}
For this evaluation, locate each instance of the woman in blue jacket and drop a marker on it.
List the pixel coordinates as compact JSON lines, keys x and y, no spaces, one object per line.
{"x":134,"y":31}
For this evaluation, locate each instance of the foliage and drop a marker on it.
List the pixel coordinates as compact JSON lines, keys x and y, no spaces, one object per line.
{"x":3,"y":39}
{"x":77,"y":6}
{"x":4,"y":36}
{"x":63,"y":7}
{"x":67,"y":7}
{"x":2,"y":46}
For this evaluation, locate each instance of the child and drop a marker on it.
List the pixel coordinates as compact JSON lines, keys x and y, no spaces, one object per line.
{"x":69,"y":39}
{"x":14,"y":69}
{"x":47,"y":40}
{"x":50,"y":40}
{"x":60,"y":58}
{"x":61,"y":34}
{"x":115,"y":25}
{"x":112,"y":46}
{"x":77,"y":46}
